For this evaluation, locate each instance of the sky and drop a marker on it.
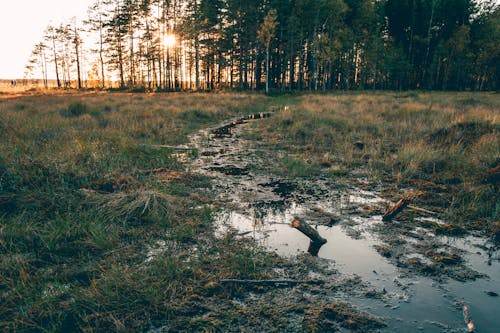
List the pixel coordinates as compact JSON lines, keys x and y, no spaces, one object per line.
{"x":22,"y":23}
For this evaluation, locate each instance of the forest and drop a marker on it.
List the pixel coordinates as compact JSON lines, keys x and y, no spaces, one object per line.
{"x":276,"y":45}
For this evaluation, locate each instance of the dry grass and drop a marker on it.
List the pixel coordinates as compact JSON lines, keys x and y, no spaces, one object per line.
{"x":83,"y":195}
{"x":447,"y":141}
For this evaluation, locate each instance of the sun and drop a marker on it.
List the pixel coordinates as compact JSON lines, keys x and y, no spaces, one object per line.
{"x":169,"y":40}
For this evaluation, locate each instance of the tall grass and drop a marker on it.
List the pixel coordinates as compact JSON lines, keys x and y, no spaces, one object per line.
{"x":440,"y":142}
{"x":80,"y":204}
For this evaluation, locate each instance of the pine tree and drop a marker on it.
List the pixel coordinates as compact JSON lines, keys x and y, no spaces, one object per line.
{"x":265,"y":35}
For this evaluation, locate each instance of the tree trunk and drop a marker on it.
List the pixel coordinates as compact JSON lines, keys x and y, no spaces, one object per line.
{"x":101,"y":51}
{"x":120,"y":63}
{"x":197,"y":61}
{"x":55,"y":61}
{"x":267,"y":71}
{"x":77,"y":52}
{"x":43,"y":63}
{"x":428,"y":48}
{"x":301,"y":68}
{"x":132,"y":60}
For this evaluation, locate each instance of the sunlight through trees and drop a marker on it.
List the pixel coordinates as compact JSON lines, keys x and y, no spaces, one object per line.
{"x":275,"y":45}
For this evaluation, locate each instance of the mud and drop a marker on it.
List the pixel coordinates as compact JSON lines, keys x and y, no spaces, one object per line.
{"x":414,"y":273}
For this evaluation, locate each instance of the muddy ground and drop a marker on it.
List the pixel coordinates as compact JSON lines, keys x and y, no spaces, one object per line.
{"x":414,"y":273}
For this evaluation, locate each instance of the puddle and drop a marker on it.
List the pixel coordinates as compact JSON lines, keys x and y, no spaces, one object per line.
{"x":422,"y":280}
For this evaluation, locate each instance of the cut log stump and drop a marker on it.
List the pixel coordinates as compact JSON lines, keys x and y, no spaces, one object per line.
{"x":316,"y":240}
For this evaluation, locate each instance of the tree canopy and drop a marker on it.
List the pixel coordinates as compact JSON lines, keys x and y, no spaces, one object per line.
{"x":277,"y":44}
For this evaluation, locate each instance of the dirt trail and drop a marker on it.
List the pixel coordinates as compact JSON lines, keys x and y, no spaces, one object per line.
{"x":414,"y":279}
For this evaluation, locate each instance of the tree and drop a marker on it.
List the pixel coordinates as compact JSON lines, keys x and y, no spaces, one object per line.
{"x":485,"y":47}
{"x":297,"y":44}
{"x":51,"y":36}
{"x":96,"y":22}
{"x":116,"y":32}
{"x":76,"y":43}
{"x":38,"y":58}
{"x":265,"y":35}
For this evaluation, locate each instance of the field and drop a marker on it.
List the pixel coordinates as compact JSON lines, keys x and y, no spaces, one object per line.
{"x":104,"y":226}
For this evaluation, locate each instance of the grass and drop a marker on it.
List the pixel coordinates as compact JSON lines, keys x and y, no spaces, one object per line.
{"x":84,"y":195}
{"x":102,"y":231}
{"x":446,"y":144}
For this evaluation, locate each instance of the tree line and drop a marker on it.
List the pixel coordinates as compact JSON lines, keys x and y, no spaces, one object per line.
{"x":282,"y":45}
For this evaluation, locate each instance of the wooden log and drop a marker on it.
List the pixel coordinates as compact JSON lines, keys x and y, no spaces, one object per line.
{"x":272,"y":282}
{"x":316,"y":240}
{"x":307,"y":230}
{"x":396,"y":209}
{"x":421,"y":210}
{"x":314,"y":248}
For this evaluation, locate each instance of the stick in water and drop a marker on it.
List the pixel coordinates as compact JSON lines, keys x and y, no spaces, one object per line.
{"x":468,"y":319}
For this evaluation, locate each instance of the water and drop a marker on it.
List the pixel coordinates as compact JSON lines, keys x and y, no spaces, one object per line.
{"x":262,"y":207}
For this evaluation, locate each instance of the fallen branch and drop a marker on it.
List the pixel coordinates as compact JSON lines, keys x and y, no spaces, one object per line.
{"x":395,"y":210}
{"x":316,"y":240}
{"x":422,"y":210}
{"x":402,"y":204}
{"x":179,"y":149}
{"x":157,"y":170}
{"x":272,"y":282}
{"x":307,"y":230}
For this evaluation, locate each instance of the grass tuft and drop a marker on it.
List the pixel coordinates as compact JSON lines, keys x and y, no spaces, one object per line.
{"x":138,"y":205}
{"x":75,"y":109}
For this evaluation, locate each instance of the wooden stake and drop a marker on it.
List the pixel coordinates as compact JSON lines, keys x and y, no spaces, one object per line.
{"x":402,"y":204}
